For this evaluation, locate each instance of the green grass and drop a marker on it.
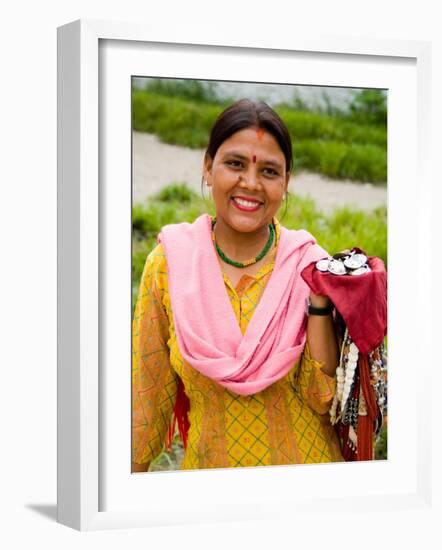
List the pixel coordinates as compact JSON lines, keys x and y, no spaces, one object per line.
{"x":366,"y":107}
{"x":340,"y":160}
{"x":195,"y":90}
{"x":169,"y":459}
{"x":318,"y":126}
{"x":381,"y":447}
{"x":335,"y":146}
{"x":344,"y":228}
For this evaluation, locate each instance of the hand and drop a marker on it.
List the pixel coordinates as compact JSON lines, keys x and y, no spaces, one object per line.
{"x":317,"y":300}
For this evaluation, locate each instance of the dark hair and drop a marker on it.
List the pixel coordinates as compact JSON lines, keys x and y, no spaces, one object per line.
{"x":246,"y":113}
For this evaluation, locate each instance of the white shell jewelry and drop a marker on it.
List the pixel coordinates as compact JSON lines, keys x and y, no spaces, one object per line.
{"x":347,"y":406}
{"x":345,"y":374}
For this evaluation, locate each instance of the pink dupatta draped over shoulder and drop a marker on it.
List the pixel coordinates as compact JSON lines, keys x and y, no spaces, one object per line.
{"x":208,"y":333}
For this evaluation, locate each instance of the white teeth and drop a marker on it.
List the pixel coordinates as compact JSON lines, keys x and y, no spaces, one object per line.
{"x":247,"y":204}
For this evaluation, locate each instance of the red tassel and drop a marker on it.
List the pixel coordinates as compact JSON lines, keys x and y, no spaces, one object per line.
{"x":367,"y":388}
{"x":366,"y":423}
{"x":179,"y":417}
{"x":365,"y":438}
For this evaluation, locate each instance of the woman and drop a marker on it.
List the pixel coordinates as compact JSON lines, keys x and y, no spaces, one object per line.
{"x":224,"y":314}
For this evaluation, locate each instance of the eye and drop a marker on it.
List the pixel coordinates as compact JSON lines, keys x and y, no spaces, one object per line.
{"x":234,"y":163}
{"x":270,"y":172}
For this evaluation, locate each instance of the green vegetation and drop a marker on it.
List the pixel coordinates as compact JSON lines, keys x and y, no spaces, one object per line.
{"x":169,"y":459}
{"x":341,"y":160}
{"x":365,"y":107}
{"x":369,"y":106}
{"x":344,"y":145}
{"x":381,"y":448}
{"x":344,"y":228}
{"x":194,"y":90}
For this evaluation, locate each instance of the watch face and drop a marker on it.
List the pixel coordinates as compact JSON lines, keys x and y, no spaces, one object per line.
{"x":361,"y":270}
{"x":322,"y":265}
{"x":355,"y":261}
{"x":337,"y":267}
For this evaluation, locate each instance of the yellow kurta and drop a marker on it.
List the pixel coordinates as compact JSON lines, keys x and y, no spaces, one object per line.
{"x":286,"y":423}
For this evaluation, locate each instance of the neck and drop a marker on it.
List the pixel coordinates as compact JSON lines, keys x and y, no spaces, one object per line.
{"x":240,"y":246}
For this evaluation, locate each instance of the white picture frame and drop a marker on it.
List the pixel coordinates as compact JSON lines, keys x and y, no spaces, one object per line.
{"x":83,"y":464}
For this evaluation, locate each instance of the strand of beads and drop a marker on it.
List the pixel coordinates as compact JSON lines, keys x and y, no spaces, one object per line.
{"x":378,"y":374}
{"x":340,"y":378}
{"x":352,"y":361}
{"x":345,"y":376}
{"x":351,"y":412}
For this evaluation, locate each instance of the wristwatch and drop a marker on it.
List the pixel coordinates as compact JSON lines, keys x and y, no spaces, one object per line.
{"x":313,"y":310}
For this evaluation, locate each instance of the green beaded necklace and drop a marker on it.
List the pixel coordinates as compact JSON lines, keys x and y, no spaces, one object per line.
{"x":248,"y":262}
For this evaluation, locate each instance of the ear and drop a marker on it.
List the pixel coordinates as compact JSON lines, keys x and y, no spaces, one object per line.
{"x":207,"y":170}
{"x":287,"y":179}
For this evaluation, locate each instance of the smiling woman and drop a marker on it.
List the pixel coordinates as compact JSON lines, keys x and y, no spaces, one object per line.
{"x":248,"y":174}
{"x":248,"y":179}
{"x":228,"y":339}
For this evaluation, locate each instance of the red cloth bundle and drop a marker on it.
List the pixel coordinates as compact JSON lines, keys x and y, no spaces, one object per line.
{"x":362,"y":303}
{"x":361,"y":300}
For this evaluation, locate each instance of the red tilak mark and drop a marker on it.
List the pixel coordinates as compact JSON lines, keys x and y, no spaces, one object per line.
{"x":254,"y":158}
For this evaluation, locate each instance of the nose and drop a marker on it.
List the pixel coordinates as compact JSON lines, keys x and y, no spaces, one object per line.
{"x":250,"y":179}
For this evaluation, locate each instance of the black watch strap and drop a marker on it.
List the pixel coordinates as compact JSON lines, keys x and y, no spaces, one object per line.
{"x":312,"y":310}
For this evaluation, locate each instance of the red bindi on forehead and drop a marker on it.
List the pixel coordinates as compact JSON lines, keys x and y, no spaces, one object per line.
{"x":254,"y":158}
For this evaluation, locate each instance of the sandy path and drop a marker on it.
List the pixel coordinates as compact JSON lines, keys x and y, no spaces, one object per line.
{"x":157,"y":164}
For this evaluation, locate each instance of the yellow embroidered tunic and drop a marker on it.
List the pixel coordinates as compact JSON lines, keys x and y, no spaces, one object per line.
{"x":286,"y":423}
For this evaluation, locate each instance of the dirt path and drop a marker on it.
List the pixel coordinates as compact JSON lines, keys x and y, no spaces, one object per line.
{"x":157,"y":164}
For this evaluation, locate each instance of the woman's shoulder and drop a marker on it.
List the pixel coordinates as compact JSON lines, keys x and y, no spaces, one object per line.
{"x":301,"y":236}
{"x":302,"y":240}
{"x":154,"y":276}
{"x":156,"y":260}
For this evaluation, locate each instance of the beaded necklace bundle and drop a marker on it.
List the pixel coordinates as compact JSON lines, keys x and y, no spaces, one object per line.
{"x":349,"y":404}
{"x":360,"y":297}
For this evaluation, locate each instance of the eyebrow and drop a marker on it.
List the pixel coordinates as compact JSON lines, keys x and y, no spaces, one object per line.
{"x":240,"y":156}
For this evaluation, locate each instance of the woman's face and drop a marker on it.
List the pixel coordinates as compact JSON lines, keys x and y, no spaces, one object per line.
{"x":248,"y":179}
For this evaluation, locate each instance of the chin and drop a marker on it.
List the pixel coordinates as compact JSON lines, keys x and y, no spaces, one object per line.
{"x":246,"y":225}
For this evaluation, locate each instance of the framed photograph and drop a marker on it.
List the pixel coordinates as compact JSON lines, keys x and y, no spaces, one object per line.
{"x":100,"y":180}
{"x":337,"y":190}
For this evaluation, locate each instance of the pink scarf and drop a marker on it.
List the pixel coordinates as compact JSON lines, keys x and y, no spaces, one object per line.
{"x":208,"y":334}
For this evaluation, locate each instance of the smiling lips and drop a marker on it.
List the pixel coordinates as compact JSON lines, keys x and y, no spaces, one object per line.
{"x":246,"y":204}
